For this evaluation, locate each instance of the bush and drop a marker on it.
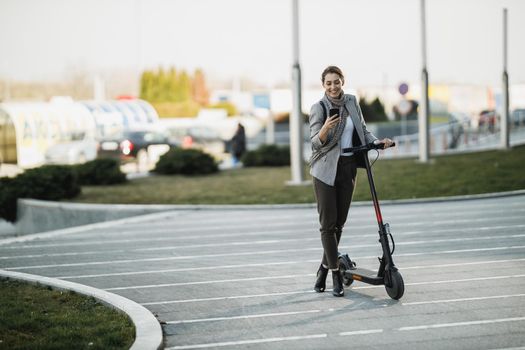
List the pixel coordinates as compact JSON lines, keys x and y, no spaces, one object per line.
{"x":49,"y":182}
{"x":100,"y":172}
{"x":186,"y":162}
{"x":267,"y":155}
{"x":7,"y":200}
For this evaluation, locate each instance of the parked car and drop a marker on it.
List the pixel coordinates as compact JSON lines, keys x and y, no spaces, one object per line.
{"x":78,"y":149}
{"x":518,"y":117}
{"x":199,"y":137}
{"x":488,"y":119}
{"x":144,"y":147}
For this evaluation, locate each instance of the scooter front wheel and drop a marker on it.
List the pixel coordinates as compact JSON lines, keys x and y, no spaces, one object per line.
{"x":397,"y":287}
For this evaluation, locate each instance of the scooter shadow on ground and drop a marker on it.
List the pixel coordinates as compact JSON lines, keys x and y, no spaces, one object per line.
{"x":360,"y":302}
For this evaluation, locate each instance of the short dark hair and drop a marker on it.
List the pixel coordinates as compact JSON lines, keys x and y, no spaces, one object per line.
{"x":332,"y":69}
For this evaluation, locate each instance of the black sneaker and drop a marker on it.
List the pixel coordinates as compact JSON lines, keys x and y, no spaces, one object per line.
{"x":337,"y":278}
{"x":320,"y":283}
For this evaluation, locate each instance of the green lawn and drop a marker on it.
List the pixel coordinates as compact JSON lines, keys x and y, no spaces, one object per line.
{"x":473,"y":173}
{"x":36,"y":317}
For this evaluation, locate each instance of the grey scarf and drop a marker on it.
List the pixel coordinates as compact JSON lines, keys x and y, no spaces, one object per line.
{"x":332,"y":103}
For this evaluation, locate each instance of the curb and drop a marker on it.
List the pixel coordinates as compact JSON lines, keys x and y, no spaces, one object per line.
{"x":148,"y":333}
{"x":183,"y":207}
{"x":454,"y":198}
{"x":72,"y":230}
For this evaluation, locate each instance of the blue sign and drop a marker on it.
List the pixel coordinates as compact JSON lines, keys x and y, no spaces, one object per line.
{"x":403,"y":88}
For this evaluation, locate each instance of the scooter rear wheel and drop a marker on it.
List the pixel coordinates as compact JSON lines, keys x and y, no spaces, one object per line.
{"x":397,"y":289}
{"x":343,"y":266}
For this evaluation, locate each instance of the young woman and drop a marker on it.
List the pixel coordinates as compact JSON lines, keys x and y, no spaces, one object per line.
{"x":333,"y":171}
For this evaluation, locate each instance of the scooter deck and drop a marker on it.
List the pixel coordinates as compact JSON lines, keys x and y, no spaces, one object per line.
{"x":364,"y":275}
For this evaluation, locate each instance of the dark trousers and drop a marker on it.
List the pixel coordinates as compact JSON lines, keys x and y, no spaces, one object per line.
{"x":333,"y":203}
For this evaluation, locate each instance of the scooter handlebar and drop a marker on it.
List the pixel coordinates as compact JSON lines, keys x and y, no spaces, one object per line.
{"x":367,"y":147}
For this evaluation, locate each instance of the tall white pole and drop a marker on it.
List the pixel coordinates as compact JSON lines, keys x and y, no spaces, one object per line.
{"x":296,"y":118}
{"x":504,"y":125}
{"x":424,"y":108}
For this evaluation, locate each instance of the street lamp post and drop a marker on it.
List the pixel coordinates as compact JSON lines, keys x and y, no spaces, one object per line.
{"x":296,"y":122}
{"x":424,"y":108}
{"x":504,"y":127}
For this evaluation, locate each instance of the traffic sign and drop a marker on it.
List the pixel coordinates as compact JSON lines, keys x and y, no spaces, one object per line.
{"x":403,"y":88}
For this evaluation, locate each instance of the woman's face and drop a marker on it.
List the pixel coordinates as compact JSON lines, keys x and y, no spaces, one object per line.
{"x":333,"y":85}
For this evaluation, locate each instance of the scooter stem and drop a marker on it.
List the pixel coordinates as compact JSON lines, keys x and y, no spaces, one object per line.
{"x":373,"y":191}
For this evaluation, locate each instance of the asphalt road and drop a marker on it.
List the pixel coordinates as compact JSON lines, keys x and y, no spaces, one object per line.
{"x":244,"y":278}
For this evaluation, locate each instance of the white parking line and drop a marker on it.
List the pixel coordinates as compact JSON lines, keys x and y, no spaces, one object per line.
{"x":213,"y":220}
{"x":463,"y":280}
{"x":350,"y":333}
{"x":463,"y":299}
{"x":277,"y":263}
{"x":468,"y":229}
{"x":398,"y":229}
{"x":308,"y":291}
{"x":227,"y":298}
{"x":208,"y":282}
{"x":369,"y":331}
{"x":247,"y":342}
{"x":191,"y":257}
{"x":254,"y":243}
{"x":462,"y":264}
{"x":308,"y":223}
{"x":242,"y":317}
{"x":185,"y":269}
{"x":97,"y":241}
{"x":148,"y":286}
{"x":461,"y":324}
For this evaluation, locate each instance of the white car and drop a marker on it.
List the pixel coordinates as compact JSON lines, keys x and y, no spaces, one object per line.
{"x":77,"y":150}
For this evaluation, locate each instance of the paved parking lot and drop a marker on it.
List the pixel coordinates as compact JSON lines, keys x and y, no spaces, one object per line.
{"x":244,"y":278}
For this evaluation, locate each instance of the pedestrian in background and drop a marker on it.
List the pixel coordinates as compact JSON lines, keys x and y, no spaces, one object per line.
{"x":238,"y":144}
{"x":336,"y":123}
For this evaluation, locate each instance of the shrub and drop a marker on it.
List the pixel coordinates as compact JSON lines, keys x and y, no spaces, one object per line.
{"x":7,"y":200}
{"x":103,"y":171}
{"x":186,"y":162}
{"x":267,"y":155}
{"x":49,"y":182}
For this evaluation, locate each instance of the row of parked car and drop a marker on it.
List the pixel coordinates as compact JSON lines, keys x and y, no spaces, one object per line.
{"x":489,"y":118}
{"x":142,"y":146}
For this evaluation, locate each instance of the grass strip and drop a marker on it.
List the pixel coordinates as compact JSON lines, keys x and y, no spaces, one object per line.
{"x":37,"y":317}
{"x":461,"y":174}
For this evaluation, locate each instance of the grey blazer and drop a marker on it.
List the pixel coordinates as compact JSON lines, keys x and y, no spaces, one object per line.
{"x":325,"y":169}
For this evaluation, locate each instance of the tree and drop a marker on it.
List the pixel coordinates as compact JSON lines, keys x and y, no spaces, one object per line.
{"x":174,"y":93}
{"x":374,"y":111}
{"x":200,"y":93}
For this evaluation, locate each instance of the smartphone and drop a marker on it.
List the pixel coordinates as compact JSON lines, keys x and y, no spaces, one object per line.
{"x":333,"y":111}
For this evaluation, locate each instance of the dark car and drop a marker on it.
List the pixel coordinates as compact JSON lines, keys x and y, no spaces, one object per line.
{"x":199,"y":137}
{"x":144,"y":147}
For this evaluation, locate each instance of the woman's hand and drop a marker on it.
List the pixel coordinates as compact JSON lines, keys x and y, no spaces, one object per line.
{"x":328,"y":125}
{"x":386,"y":142}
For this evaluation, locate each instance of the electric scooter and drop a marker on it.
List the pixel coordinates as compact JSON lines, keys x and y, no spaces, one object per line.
{"x":388,"y":274}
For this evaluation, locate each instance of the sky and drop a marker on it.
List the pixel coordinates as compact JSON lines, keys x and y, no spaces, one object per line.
{"x":375,"y":42}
